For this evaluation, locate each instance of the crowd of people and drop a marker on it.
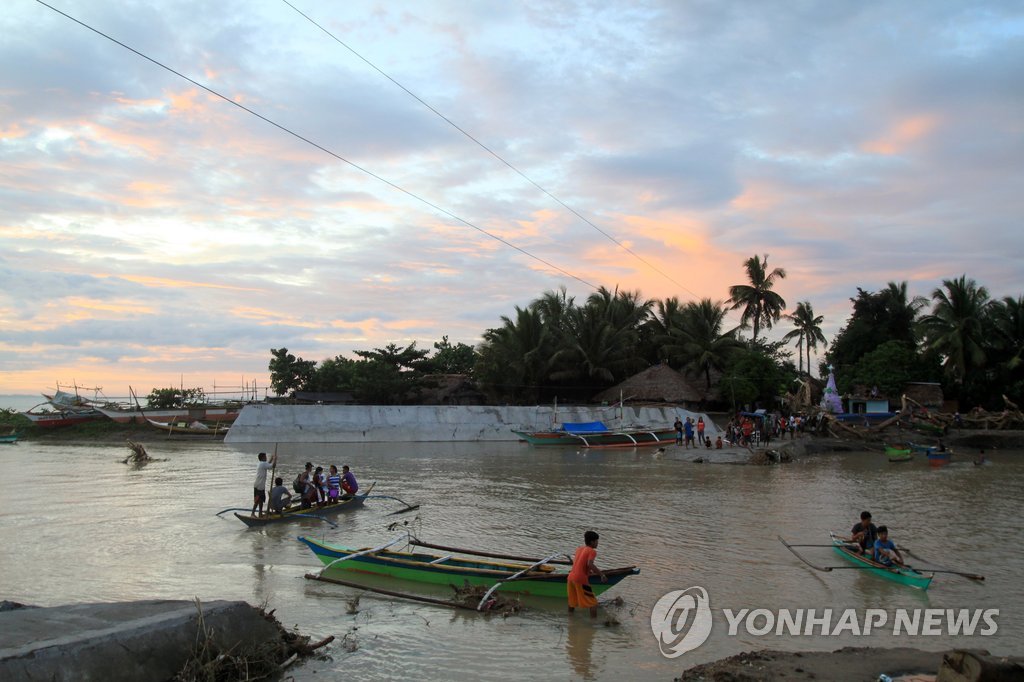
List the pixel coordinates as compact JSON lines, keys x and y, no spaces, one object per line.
{"x":312,"y":487}
{"x":747,"y":429}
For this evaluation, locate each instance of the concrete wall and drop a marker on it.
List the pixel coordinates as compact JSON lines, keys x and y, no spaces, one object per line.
{"x":429,"y":423}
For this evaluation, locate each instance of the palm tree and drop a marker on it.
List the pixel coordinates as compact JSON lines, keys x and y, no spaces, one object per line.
{"x":955,"y":327}
{"x":1007,"y":318}
{"x":760,"y":304}
{"x":698,"y":344}
{"x":901,"y":312}
{"x":518,"y":354}
{"x":807,"y":331}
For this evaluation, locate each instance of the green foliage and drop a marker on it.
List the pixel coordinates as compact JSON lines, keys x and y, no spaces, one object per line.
{"x":761,"y":306}
{"x":289,"y":373}
{"x":888,"y":315}
{"x":389,"y":375}
{"x":754,"y":380}
{"x":889,"y":367}
{"x":169,"y":398}
{"x":449,"y":359}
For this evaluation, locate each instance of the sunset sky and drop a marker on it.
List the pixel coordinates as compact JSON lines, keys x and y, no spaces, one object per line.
{"x":152,"y":233}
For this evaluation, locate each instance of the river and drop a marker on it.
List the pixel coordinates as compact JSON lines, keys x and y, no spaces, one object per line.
{"x":77,"y":525}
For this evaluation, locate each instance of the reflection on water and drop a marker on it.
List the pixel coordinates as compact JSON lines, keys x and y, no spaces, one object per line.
{"x":80,"y":526}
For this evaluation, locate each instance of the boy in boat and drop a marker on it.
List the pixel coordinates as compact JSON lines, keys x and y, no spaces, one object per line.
{"x":864,"y":535}
{"x":279,"y":496}
{"x":348,"y":482}
{"x":577,"y":584}
{"x":259,"y":486}
{"x":885,"y":549}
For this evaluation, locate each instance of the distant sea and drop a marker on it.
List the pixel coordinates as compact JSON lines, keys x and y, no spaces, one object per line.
{"x":19,"y":402}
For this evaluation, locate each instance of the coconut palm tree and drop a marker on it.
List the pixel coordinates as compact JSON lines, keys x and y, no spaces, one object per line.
{"x":761,"y":306}
{"x":955,"y":327}
{"x":807,"y":331}
{"x":1007,"y":318}
{"x":518,"y":354}
{"x":901,"y":312}
{"x":698,"y":344}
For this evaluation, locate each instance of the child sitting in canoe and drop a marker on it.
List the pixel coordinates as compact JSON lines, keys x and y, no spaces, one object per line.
{"x":885,"y":549}
{"x":577,"y":584}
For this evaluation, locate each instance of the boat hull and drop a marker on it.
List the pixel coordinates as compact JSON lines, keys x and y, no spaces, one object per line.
{"x":416,"y":567}
{"x":905,"y":576}
{"x":9,"y":439}
{"x":939,"y":459}
{"x":898,"y":454}
{"x":52,"y":420}
{"x":298,"y":514}
{"x":608,"y":439}
{"x":210,"y":414}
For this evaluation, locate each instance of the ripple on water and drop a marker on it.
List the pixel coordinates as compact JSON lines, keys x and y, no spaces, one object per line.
{"x":91,"y":528}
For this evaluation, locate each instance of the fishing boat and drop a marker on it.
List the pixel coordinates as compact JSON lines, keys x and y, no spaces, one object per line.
{"x":597,"y":435}
{"x":298,"y":513}
{"x":11,"y":437}
{"x":898,"y":454}
{"x":939,"y":458}
{"x":903,"y":575}
{"x":50,"y":419}
{"x":126,"y":415}
{"x":537,"y":577}
{"x":193,"y":428}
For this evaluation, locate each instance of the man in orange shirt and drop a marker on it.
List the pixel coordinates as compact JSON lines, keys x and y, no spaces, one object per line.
{"x":583,"y":566}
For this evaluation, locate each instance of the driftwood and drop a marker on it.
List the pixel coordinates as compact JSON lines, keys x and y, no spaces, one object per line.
{"x":979,"y":666}
{"x":139,"y":455}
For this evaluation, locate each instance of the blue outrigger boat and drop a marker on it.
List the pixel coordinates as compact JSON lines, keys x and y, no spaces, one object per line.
{"x":597,"y":435}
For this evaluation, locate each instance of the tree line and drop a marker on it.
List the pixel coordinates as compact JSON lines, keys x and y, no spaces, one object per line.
{"x":557,"y":346}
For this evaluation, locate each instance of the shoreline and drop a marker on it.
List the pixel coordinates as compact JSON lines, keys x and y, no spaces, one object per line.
{"x":854,"y":664}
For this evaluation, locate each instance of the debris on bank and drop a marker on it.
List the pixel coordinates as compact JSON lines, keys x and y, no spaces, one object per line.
{"x":147,"y":640}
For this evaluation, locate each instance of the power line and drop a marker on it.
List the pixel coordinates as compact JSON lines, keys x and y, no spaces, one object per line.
{"x":486,"y":148}
{"x":310,"y":142}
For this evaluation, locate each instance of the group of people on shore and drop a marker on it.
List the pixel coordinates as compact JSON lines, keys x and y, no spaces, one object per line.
{"x":312,"y":487}
{"x":873,"y":542}
{"x":685,"y":434}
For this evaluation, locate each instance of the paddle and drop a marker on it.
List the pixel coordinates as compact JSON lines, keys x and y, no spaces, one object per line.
{"x":273,"y":473}
{"x":969,"y":576}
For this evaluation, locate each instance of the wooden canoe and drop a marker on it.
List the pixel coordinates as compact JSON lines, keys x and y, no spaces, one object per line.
{"x":298,"y":513}
{"x":545,"y":580}
{"x":905,"y":576}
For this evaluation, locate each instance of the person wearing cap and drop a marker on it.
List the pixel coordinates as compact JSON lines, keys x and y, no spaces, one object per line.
{"x":259,"y":486}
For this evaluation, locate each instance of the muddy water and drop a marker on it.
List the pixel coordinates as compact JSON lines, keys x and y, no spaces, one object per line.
{"x":76,"y":525}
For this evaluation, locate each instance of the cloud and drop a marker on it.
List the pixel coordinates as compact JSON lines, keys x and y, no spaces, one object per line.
{"x":151,"y":229}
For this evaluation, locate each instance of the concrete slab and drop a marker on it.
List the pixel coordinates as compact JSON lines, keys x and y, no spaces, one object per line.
{"x":120,"y":641}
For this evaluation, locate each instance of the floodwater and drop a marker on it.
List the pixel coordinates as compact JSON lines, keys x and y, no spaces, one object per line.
{"x":77,"y":525}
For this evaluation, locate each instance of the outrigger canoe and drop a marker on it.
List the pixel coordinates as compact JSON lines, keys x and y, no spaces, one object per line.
{"x":906,"y":576}
{"x":537,"y":577}
{"x":898,"y":454}
{"x":299,"y":513}
{"x":597,"y":435}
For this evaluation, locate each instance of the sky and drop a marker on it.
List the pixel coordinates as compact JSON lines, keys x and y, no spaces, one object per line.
{"x":153,"y":234}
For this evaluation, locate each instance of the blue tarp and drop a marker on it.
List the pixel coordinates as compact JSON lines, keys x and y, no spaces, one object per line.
{"x":584,"y":427}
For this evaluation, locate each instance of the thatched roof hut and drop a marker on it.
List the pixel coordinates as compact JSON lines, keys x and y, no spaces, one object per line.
{"x":927,"y":394}
{"x":656,"y":384}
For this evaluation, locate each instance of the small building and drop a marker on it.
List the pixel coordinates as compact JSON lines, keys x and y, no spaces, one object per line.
{"x":866,"y":400}
{"x":925,"y":393}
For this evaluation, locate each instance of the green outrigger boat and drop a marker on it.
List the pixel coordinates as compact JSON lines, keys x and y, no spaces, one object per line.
{"x":537,"y":577}
{"x":898,"y":454}
{"x":906,"y":575}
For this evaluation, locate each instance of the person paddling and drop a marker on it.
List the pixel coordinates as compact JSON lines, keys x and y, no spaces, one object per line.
{"x":259,"y":486}
{"x":864,"y":534}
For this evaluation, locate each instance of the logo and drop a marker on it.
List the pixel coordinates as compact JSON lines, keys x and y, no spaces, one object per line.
{"x":681,"y":621}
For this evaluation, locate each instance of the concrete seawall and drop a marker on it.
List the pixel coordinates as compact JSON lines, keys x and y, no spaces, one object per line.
{"x":431,"y":423}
